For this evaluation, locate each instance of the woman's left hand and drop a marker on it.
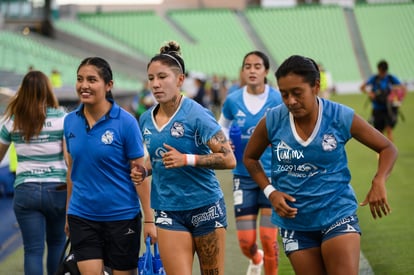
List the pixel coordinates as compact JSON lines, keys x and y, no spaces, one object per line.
{"x":172,"y":158}
{"x":377,"y":199}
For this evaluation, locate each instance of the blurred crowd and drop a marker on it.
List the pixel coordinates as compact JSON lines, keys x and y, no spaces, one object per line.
{"x":209,"y":91}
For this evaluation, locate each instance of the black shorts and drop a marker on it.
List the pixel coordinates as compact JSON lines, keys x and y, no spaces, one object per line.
{"x":384,"y":117}
{"x":117,"y":243}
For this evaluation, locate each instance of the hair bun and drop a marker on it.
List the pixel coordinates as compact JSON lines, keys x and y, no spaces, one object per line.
{"x":171,"y":47}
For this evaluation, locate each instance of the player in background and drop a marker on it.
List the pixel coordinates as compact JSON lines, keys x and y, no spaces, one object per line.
{"x":243,"y":109}
{"x":386,"y":94}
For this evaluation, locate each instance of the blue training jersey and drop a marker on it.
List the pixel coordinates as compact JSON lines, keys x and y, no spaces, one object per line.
{"x":315,"y":172}
{"x":234,"y":108}
{"x":188,"y":131}
{"x":102,"y":186}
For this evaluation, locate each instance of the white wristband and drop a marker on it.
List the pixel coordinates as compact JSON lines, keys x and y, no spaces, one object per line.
{"x":268,"y":190}
{"x":190,"y":159}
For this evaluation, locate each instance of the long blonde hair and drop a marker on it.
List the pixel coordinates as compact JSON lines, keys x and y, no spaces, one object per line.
{"x":28,"y":106}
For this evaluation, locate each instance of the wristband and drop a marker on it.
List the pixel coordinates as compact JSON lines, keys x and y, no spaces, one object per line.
{"x":268,"y":190}
{"x":148,"y":221}
{"x":190,"y":160}
{"x":147,"y":172}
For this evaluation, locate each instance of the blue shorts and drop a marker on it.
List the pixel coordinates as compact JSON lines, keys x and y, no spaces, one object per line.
{"x":248,"y":198}
{"x":299,"y":240}
{"x":199,"y":222}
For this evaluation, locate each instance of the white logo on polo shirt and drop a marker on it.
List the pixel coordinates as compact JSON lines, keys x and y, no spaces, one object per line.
{"x":107,"y":137}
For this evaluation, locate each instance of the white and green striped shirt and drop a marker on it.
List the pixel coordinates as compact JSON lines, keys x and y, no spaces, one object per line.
{"x":41,"y":159}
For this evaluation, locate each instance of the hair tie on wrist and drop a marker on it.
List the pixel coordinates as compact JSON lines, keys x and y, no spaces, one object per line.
{"x":146,"y":172}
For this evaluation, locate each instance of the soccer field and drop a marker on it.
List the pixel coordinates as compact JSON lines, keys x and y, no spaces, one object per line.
{"x":386,"y":243}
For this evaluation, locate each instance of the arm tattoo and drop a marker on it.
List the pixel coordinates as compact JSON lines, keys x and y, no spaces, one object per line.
{"x":210,"y":161}
{"x":219,"y":137}
{"x":215,"y":161}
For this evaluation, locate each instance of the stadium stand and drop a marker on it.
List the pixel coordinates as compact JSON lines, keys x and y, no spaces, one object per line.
{"x":213,"y":50}
{"x":387,"y":31}
{"x":214,"y":40}
{"x":83,"y":31}
{"x":19,"y":52}
{"x":143,"y":31}
{"x":221,"y":41}
{"x":317,"y":31}
{"x":25,"y":51}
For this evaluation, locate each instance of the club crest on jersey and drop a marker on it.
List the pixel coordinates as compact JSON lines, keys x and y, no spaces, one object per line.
{"x":329,"y":142}
{"x":107,"y":137}
{"x":177,"y":130}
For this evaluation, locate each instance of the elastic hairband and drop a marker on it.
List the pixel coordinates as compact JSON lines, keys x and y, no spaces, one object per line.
{"x":176,"y":60}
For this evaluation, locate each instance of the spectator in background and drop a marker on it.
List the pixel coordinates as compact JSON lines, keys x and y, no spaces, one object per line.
{"x":327,"y":87}
{"x":244,"y":108}
{"x":103,"y":213}
{"x":237,"y":84}
{"x":201,"y":97}
{"x":185,"y":145}
{"x":143,"y":100}
{"x":34,"y":124}
{"x":386,"y":94}
{"x":314,"y":205}
{"x":8,"y":168}
{"x":214,"y":91}
{"x":8,"y":165}
{"x":56,"y":79}
{"x":189,"y":87}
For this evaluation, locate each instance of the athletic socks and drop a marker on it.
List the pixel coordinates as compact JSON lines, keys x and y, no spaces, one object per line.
{"x":268,"y":237}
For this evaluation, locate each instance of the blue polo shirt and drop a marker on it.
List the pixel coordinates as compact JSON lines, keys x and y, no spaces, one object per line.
{"x":102,"y":187}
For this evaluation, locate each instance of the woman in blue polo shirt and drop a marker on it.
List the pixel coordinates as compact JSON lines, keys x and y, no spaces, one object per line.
{"x":103,"y":209}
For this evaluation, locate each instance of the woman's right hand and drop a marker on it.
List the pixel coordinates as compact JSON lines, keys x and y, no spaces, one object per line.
{"x":279,"y":202}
